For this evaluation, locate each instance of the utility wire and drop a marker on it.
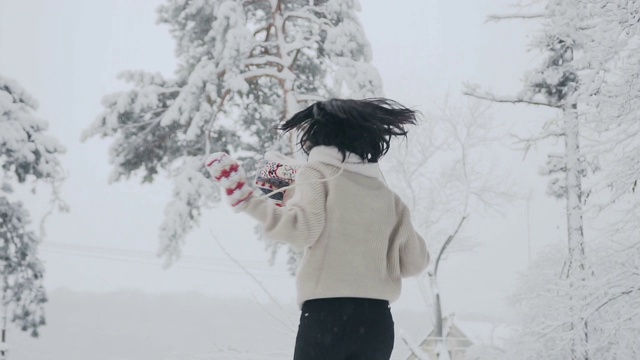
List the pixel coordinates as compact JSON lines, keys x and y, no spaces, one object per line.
{"x":135,"y":253}
{"x":199,"y":263}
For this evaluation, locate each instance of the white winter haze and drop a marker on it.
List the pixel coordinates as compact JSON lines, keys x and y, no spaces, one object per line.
{"x":110,"y":298}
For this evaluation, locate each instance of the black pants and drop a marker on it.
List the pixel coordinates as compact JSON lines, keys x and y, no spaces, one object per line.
{"x":345,"y":329}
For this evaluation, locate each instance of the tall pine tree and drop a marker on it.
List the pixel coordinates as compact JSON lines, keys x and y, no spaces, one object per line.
{"x":244,"y":66}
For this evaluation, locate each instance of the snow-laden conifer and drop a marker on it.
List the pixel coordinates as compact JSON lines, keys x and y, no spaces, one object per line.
{"x":243,"y":66}
{"x":27,"y":155}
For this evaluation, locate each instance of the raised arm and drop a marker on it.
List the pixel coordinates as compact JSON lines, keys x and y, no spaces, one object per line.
{"x":301,"y":221}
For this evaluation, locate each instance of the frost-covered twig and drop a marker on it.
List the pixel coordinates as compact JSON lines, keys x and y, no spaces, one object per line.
{"x":246,"y":271}
{"x":528,"y":142}
{"x":608,"y":301}
{"x":290,"y":327}
{"x":56,"y":202}
{"x":542,"y":136}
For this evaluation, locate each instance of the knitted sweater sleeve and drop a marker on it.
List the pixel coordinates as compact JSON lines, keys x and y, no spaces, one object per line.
{"x":301,"y":221}
{"x":414,"y":256}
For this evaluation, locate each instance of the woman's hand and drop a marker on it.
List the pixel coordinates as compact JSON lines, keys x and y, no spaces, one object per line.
{"x":231,"y":178}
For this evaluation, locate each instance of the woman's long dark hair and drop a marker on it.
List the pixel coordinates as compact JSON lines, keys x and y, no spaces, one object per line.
{"x":363,"y":127}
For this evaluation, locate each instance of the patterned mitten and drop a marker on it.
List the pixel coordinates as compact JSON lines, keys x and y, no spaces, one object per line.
{"x":274,"y":172}
{"x":231,"y":177}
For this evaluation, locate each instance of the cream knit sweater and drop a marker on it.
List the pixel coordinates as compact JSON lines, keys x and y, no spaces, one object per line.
{"x":356,"y":233}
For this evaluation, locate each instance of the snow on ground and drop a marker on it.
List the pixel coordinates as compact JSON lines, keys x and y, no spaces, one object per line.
{"x":133,"y":325}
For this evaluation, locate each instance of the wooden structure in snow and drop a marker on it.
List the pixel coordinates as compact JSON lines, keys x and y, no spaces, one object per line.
{"x":459,"y":336}
{"x":454,"y":338}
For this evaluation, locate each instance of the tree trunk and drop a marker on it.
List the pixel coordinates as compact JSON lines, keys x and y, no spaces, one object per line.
{"x":441,"y":349}
{"x":4,"y":338}
{"x":575,"y":234}
{"x":290,"y":102}
{"x":3,"y":354}
{"x":437,"y":307}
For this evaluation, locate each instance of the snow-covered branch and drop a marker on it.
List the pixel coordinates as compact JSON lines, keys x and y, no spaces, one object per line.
{"x":298,"y":45}
{"x":265,"y":59}
{"x":529,"y":142}
{"x":499,"y":17}
{"x":305,"y":14}
{"x":485,"y":95}
{"x":285,"y":74}
{"x":252,"y":2}
{"x":309,"y":97}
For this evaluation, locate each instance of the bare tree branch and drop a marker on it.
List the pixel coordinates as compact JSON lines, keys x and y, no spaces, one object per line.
{"x":446,"y":244}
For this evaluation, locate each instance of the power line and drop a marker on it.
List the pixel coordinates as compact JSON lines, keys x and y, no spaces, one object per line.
{"x":135,"y":253}
{"x":211,"y":264}
{"x":218,"y":265}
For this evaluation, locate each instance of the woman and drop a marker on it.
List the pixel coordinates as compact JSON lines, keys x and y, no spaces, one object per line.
{"x":356,"y":233}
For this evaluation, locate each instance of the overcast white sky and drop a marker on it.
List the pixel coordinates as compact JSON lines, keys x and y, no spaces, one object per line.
{"x":67,"y":54}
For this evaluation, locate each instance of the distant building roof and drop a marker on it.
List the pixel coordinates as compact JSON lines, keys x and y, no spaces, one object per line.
{"x":462,"y":334}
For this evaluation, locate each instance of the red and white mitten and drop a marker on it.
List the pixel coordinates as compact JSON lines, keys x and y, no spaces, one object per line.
{"x":231,"y":177}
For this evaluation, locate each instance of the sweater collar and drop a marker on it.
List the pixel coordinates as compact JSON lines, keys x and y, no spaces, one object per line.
{"x":332,"y":156}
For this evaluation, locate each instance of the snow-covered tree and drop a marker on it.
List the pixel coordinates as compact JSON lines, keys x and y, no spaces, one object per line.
{"x":27,"y":154}
{"x":590,"y":76}
{"x":545,"y":298}
{"x":614,"y":301}
{"x":554,"y":84}
{"x":445,"y":175}
{"x":610,"y":94}
{"x":244,"y":66}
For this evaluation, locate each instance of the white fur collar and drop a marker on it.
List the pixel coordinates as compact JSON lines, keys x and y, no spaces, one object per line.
{"x":332,"y":156}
